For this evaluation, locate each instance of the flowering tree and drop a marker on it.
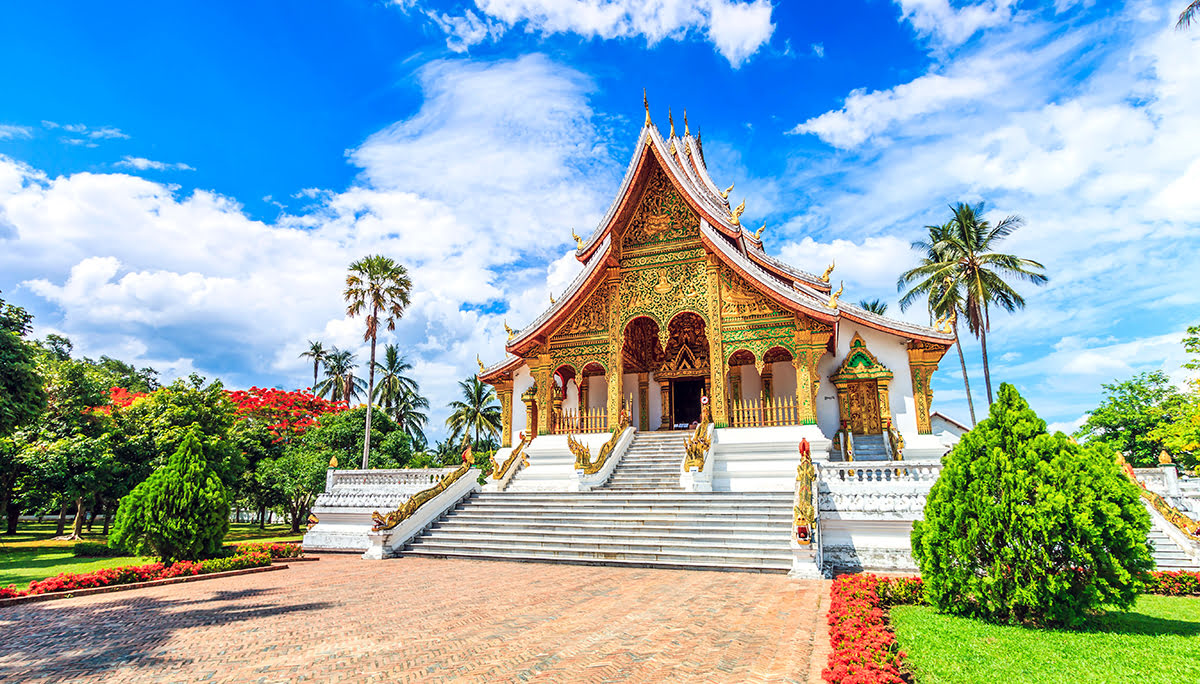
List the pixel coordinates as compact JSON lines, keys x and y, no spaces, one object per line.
{"x":284,"y":414}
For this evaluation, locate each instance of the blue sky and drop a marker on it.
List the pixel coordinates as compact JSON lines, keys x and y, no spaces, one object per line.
{"x":184,"y":187}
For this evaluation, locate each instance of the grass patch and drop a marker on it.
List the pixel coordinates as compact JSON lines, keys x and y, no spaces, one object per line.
{"x":34,"y":554}
{"x":1157,"y":642}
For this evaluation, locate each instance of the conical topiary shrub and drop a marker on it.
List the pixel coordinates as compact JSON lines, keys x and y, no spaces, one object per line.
{"x":1030,"y":528}
{"x":181,"y":512}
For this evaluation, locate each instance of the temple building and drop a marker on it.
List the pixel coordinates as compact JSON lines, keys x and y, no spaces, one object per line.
{"x":678,"y":302}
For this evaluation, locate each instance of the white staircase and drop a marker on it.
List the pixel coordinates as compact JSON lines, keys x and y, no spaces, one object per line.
{"x":640,"y":517}
{"x":870,"y":448}
{"x":645,"y":528}
{"x":1167,"y":554}
{"x":652,"y":463}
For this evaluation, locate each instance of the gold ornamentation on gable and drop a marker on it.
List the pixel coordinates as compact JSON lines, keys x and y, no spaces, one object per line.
{"x":739,"y":299}
{"x":662,"y":214}
{"x":860,"y":364}
{"x":591,"y":317}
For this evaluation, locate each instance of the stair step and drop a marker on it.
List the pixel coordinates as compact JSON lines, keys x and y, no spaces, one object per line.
{"x":742,"y":565}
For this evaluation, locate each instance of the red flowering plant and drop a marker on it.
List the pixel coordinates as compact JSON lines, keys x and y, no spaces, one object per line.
{"x":276,"y":550}
{"x":1173,"y":583}
{"x":284,"y":414}
{"x":864,"y":649}
{"x":119,"y":398}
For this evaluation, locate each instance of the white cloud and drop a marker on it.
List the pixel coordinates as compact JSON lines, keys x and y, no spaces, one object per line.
{"x":143,"y":164}
{"x":818,"y":49}
{"x":736,"y":28}
{"x":948,"y":25}
{"x":476,"y":194}
{"x":8,"y":132}
{"x":84,"y":134}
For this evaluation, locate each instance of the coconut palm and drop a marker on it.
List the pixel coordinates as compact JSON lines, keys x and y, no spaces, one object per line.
{"x":1191,"y":12}
{"x":380,"y":287}
{"x":942,"y":304}
{"x":977,"y":274}
{"x":317,"y":352}
{"x":875,"y":306}
{"x":410,"y":416}
{"x":340,"y":383}
{"x":393,"y":379}
{"x":477,"y":413}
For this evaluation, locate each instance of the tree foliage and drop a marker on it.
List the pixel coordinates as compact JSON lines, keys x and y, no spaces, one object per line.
{"x":1129,"y":414}
{"x":21,"y":396}
{"x":181,"y":511}
{"x":476,"y":415}
{"x":1030,"y":528}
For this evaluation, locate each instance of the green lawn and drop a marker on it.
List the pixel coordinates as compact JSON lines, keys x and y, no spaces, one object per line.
{"x":1158,"y":641}
{"x":33,"y":554}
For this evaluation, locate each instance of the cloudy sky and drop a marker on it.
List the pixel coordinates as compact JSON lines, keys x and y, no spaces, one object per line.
{"x":184,"y":187}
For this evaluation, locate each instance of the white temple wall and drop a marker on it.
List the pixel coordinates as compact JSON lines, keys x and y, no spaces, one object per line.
{"x":597,"y":391}
{"x":656,"y":408}
{"x":629,"y":387}
{"x":784,"y":382}
{"x":751,"y":383}
{"x":522,"y":380}
{"x":571,"y":401}
{"x":828,"y":417}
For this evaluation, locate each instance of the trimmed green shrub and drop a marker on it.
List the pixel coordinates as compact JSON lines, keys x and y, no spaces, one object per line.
{"x":1026,"y":527}
{"x":87,"y":549}
{"x":179,"y":512}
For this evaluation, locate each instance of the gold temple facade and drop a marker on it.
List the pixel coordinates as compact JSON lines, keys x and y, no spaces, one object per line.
{"x":679,"y":308}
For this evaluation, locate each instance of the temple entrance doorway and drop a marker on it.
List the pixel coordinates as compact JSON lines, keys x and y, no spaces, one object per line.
{"x":686,"y":400}
{"x":863,"y":409}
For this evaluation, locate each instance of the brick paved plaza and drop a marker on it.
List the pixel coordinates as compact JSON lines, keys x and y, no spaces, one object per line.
{"x":424,"y":619}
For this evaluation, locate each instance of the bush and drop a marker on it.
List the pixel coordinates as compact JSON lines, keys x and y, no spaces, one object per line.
{"x":900,"y":591}
{"x":864,"y":649}
{"x":95,"y":550}
{"x":180,"y":512}
{"x":252,"y":559}
{"x":1030,"y":528}
{"x":273,"y":550}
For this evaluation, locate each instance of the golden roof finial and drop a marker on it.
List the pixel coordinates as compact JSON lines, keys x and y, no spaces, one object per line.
{"x":646,"y":104}
{"x":833,"y":298}
{"x":726,"y":191}
{"x":758,"y":233}
{"x":825,"y":275}
{"x":552,"y":302}
{"x":671,"y":120}
{"x":480,"y":362}
{"x":509,"y":330}
{"x":735,"y":216}
{"x":333,"y":461}
{"x":578,"y":240}
{"x":685,"y":125}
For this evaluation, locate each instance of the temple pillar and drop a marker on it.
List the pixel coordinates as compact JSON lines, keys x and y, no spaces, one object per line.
{"x":715,"y":389}
{"x":529,"y":396}
{"x":556,"y":409}
{"x":735,"y":383}
{"x":504,"y":392}
{"x":768,"y":378}
{"x":643,"y":401}
{"x":545,"y":393}
{"x":583,"y":394}
{"x":811,"y":343}
{"x":885,"y":404}
{"x":923,"y":359}
{"x":665,"y":387}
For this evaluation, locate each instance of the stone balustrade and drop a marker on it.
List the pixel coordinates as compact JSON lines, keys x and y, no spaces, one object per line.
{"x":888,"y":471}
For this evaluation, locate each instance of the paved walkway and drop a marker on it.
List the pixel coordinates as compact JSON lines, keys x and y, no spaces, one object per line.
{"x":424,"y":619}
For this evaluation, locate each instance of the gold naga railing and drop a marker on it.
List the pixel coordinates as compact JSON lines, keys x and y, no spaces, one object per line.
{"x":568,"y":421}
{"x":1176,"y":517}
{"x":408,"y":508}
{"x":895,"y":441}
{"x":804,"y":513}
{"x":764,"y":412}
{"x":498,"y":471}
{"x":583,"y":455}
{"x":697,"y":445}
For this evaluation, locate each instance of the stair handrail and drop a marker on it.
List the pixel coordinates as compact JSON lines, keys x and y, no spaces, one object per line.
{"x":498,"y":472}
{"x":698,"y":447}
{"x":849,"y":445}
{"x":1180,"y":520}
{"x":583,"y":455}
{"x":806,"y":509}
{"x":409,"y":507}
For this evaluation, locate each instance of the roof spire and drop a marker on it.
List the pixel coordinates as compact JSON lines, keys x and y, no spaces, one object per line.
{"x":758,"y":233}
{"x":646,"y":104}
{"x":672,"y":121}
{"x":726,"y":191}
{"x":685,"y":126}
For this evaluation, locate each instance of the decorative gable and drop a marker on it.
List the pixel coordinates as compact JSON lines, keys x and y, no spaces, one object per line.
{"x":860,"y":364}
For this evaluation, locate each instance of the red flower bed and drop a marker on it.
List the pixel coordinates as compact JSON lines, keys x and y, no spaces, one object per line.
{"x":130,"y":574}
{"x":276,"y":550}
{"x":1174,"y":583}
{"x":864,"y":649}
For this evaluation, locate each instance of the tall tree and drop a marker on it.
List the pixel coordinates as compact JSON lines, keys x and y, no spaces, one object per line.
{"x":317,"y":352}
{"x":340,"y":383}
{"x":476,"y":413}
{"x":1129,"y":415}
{"x":1188,"y":14}
{"x":409,"y":414}
{"x":21,"y":395}
{"x":876,"y":306}
{"x":943,"y":304}
{"x":380,"y":287}
{"x":977,"y":273}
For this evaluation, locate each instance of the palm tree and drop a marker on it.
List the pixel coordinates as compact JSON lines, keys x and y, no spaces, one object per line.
{"x":942,"y":304}
{"x":977,"y":274}
{"x":340,"y":383}
{"x":378,"y":285}
{"x":393,"y":381}
{"x":875,"y":306}
{"x":1189,"y":13}
{"x":477,"y":413}
{"x":409,"y":416}
{"x":317,"y":352}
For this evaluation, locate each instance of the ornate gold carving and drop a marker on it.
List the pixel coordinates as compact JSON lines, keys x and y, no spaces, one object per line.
{"x":758,"y":233}
{"x":804,"y":514}
{"x":740,"y":300}
{"x":578,"y":240}
{"x":833,"y":298}
{"x":479,"y":361}
{"x":671,"y":121}
{"x":828,"y":270}
{"x":591,"y":317}
{"x":646,"y":104}
{"x":735,"y":216}
{"x":923,"y":359}
{"x":726,"y":191}
{"x":685,"y":124}
{"x":660,"y":293}
{"x":662,"y":214}
{"x":518,"y":451}
{"x":509,"y":330}
{"x":583,"y":455}
{"x":333,"y":463}
{"x":862,"y":387}
{"x":698,"y":444}
{"x":663,"y":286}
{"x":408,"y":508}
